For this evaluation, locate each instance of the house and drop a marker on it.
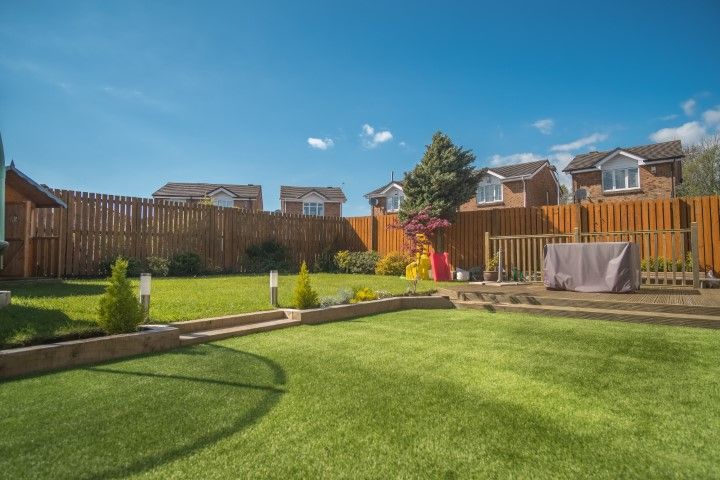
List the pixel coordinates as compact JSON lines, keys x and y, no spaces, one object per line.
{"x":247,"y":196}
{"x":316,"y":201}
{"x":529,"y":184}
{"x":386,"y":199}
{"x":24,"y":234}
{"x":632,"y":173}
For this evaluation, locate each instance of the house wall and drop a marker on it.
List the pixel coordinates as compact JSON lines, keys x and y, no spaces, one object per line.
{"x":332,"y":209}
{"x":652,"y":185}
{"x":254,"y":204}
{"x":541,"y":190}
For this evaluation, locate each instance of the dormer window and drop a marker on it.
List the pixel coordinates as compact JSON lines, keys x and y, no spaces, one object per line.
{"x":393,"y":203}
{"x":489,"y":191}
{"x":223,"y":202}
{"x":316,"y":209}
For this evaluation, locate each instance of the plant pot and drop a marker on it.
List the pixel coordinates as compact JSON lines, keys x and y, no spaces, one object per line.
{"x":490,"y":276}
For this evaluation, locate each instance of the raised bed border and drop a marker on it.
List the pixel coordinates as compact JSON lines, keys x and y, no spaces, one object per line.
{"x":23,"y":361}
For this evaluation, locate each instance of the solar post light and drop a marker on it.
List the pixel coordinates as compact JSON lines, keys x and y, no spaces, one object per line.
{"x":274,"y":288}
{"x":145,"y":295}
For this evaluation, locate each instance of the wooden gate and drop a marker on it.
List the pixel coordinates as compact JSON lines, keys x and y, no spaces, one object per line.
{"x":18,"y":256}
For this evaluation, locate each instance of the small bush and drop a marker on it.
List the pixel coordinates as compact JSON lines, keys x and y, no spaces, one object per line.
{"x":356,"y":262}
{"x":304,"y":296}
{"x":343,"y":297}
{"x":342,"y":261}
{"x":185,"y":264}
{"x":493,"y":263}
{"x":393,"y":263}
{"x":158,"y":266}
{"x":363,"y":295}
{"x":662,"y":264}
{"x":269,"y":255}
{"x":134,"y":268}
{"x":325,"y":261}
{"x":119,"y":309}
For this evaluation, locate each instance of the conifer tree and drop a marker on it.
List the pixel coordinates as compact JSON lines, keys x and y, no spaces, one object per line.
{"x":120,"y":310}
{"x":443,"y":180}
{"x":304,"y":295}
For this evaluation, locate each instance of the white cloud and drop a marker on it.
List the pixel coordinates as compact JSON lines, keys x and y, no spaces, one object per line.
{"x":320,"y":143}
{"x":688,"y":106}
{"x":372,"y":138}
{"x":545,"y":125}
{"x":712,"y":116}
{"x":689,"y":133}
{"x":672,"y":116}
{"x":579,"y":143}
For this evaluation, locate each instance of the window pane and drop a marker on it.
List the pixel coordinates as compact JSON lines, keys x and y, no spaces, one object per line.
{"x":632,"y":177}
{"x":497,"y":193}
{"x":607,"y":180}
{"x":319,"y":209}
{"x":481,"y":194}
{"x":620,"y":178}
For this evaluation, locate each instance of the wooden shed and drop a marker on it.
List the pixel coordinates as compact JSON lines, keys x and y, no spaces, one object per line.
{"x":22,"y":197}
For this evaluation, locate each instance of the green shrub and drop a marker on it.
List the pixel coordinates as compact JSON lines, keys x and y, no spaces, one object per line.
{"x":343,"y":297}
{"x":269,"y":255}
{"x":357,"y":262}
{"x":134,"y":268}
{"x":363,"y":295}
{"x":493,"y":263}
{"x":185,"y":264}
{"x":158,"y":266}
{"x":119,"y":309}
{"x":325,"y":261}
{"x":662,"y":264}
{"x":342,"y":259}
{"x":304,"y":296}
{"x":393,"y":263}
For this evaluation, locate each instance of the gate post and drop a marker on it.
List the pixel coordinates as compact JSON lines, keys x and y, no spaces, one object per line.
{"x":576,"y":235}
{"x":486,"y":249}
{"x":695,"y":253}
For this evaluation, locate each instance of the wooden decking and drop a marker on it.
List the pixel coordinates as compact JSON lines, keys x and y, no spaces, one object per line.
{"x":663,"y":305}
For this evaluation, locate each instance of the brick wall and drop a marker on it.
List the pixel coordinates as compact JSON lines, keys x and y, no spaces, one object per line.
{"x":652,"y":185}
{"x":539,"y":189}
{"x":379,"y":209}
{"x":332,"y":209}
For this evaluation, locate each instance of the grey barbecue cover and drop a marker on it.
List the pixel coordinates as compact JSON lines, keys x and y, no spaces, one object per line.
{"x":592,"y":267}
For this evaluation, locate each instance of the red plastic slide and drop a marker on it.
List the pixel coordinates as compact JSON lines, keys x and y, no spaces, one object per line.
{"x":440,"y":264}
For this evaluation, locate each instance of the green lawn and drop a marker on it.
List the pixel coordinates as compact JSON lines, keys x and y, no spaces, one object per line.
{"x":43,"y":310}
{"x":414,"y":394}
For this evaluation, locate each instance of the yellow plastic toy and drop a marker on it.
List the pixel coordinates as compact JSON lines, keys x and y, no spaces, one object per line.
{"x":420,"y":268}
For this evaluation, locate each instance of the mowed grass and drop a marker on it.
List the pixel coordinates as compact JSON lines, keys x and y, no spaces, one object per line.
{"x":47,"y":310}
{"x":414,"y":394}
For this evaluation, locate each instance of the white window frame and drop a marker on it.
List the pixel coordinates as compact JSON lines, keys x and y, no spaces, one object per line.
{"x":483,"y":187}
{"x":626,"y":175}
{"x":314,"y":209}
{"x":389,"y":207}
{"x":223,"y":202}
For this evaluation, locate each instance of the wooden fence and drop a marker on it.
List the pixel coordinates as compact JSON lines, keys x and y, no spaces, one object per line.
{"x":95,"y":227}
{"x":464,"y":239}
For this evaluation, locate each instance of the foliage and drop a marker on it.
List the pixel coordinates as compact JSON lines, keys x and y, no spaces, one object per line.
{"x":342,"y":261}
{"x":662,"y":264}
{"x":565,"y":195}
{"x":493,"y":263}
{"x":325,"y":261}
{"x":304,"y":296}
{"x":158,"y":266}
{"x":363,"y":262}
{"x":343,"y":297}
{"x":134,"y":268}
{"x":420,"y":228}
{"x":393,"y":263}
{"x":185,"y":264}
{"x":269,"y":255}
{"x":363,"y":295}
{"x":443,"y":180}
{"x":701,"y":168}
{"x":119,"y":310}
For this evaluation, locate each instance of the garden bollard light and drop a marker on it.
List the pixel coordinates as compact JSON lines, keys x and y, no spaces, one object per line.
{"x":274,"y":288}
{"x":145,"y":295}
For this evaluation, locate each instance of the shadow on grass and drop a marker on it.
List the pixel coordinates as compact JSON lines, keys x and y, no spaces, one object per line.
{"x":268,"y":389}
{"x":54,"y":288}
{"x":22,"y":325}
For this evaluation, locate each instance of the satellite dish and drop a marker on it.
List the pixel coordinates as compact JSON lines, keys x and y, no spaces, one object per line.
{"x":374,"y":202}
{"x":580,"y":194}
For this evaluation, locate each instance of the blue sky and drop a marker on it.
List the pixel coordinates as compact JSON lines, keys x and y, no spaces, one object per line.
{"x":121,"y":97}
